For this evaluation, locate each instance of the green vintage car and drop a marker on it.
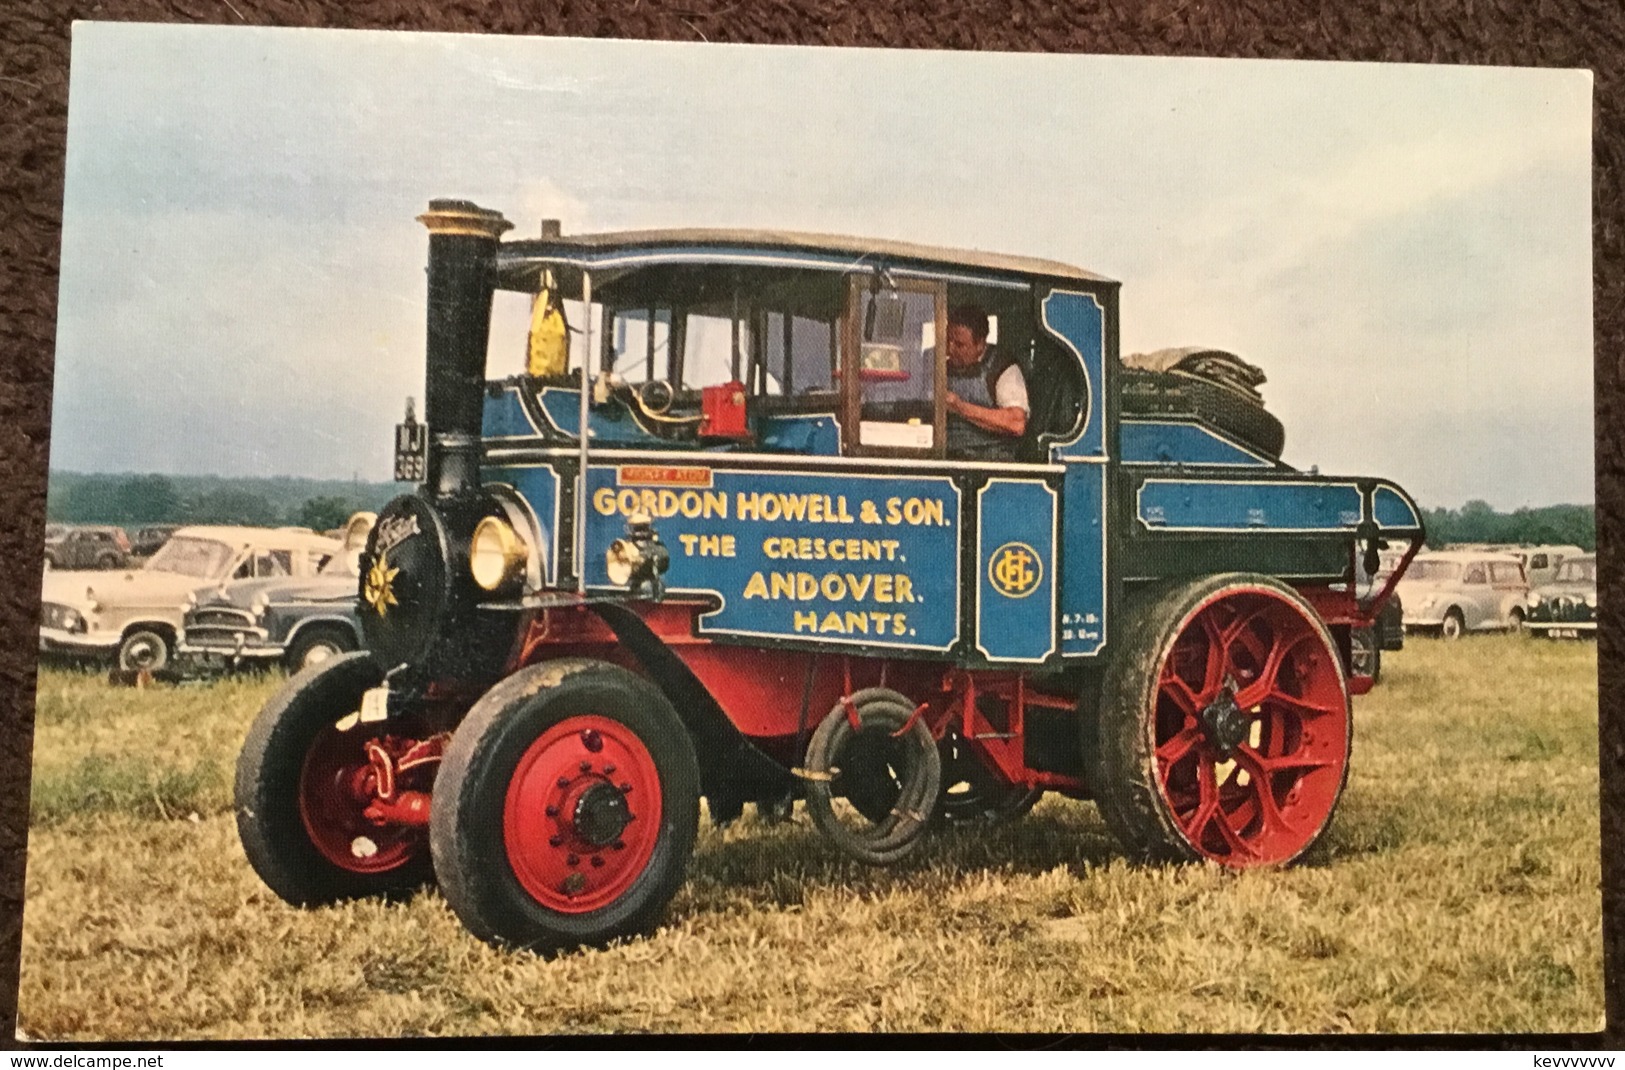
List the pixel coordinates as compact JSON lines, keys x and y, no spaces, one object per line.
{"x":1566,"y":608}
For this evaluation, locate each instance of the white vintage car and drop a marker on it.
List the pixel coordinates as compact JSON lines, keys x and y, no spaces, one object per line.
{"x":135,"y":615}
{"x":1451,"y":592}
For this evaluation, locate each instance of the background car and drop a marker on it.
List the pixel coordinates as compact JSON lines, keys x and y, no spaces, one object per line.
{"x":1566,"y":607}
{"x":1452,"y":592}
{"x":135,"y":616}
{"x":150,"y":539}
{"x":300,"y":621}
{"x":91,"y":547}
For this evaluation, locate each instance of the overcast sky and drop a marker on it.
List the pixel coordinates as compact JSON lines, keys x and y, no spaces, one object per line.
{"x":1405,"y":250}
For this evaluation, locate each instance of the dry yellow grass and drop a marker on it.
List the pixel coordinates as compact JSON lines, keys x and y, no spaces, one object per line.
{"x":1458,"y":891}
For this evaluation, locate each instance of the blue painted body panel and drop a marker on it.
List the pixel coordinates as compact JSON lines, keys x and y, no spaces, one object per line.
{"x":1078,"y":321}
{"x":1169,"y":442}
{"x":1393,"y":510}
{"x":835,"y":558}
{"x":539,"y":487}
{"x":1083,"y":573}
{"x":1016,"y":559}
{"x":505,"y":416}
{"x":1201,"y":505}
{"x":811,"y":434}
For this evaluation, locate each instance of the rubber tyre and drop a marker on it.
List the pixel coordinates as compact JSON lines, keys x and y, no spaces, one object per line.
{"x":1515,"y":622}
{"x":144,"y":648}
{"x":1237,"y":415}
{"x":1453,"y":627}
{"x":1136,"y":809}
{"x":269,"y":785}
{"x":482,"y":773}
{"x":328,"y":642}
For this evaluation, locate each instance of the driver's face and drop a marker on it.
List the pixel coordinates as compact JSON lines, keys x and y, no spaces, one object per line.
{"x":963,"y":348}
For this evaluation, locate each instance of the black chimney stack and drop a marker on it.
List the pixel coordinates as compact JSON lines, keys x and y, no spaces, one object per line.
{"x":462,"y":277}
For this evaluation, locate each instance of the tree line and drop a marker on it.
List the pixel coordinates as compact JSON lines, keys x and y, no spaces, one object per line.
{"x":135,"y":500}
{"x":1574,"y":525}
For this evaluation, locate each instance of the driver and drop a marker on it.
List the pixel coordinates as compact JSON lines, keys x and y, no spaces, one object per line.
{"x":987,"y":394}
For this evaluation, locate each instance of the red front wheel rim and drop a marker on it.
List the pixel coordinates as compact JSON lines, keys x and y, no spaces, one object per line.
{"x":335,"y":788}
{"x":582,"y":814}
{"x":1251,"y":729}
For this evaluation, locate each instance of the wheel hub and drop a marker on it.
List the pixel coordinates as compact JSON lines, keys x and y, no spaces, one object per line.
{"x":601,"y":815}
{"x":1225,"y":724}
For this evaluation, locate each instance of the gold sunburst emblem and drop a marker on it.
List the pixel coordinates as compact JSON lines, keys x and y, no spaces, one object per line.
{"x":379,"y":589}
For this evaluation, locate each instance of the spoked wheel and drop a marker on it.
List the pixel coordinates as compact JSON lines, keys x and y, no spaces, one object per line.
{"x":566,"y":809}
{"x":971,"y":792}
{"x":306,"y":777}
{"x":1224,"y":724}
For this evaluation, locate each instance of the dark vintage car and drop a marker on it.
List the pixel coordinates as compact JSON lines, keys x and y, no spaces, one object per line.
{"x":87,"y":547}
{"x":298,"y":620}
{"x":1566,"y":608}
{"x":150,"y":539}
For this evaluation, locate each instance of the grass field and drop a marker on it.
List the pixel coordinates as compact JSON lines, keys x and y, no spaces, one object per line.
{"x":1457,"y":891}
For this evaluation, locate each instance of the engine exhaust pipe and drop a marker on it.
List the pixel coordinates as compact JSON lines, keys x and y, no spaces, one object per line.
{"x":462,"y":268}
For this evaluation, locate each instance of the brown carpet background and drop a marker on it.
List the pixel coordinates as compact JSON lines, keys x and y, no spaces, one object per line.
{"x":33,"y":120}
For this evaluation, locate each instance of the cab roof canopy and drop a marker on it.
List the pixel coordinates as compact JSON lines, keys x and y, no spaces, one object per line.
{"x":609,"y":254}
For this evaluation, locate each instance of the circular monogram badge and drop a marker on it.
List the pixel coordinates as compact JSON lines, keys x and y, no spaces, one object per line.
{"x":1015,"y":570}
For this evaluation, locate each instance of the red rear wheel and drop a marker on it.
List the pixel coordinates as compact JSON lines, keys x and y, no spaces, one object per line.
{"x":1225,"y":734}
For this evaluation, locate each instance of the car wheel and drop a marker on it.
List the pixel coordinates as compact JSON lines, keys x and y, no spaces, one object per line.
{"x":144,"y":650}
{"x":1515,"y":621}
{"x":566,"y":808}
{"x":107,"y":561}
{"x":1454,"y":626}
{"x":301,"y":819}
{"x":315,"y":646}
{"x":1224,"y":725}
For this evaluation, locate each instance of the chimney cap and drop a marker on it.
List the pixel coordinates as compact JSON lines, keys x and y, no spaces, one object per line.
{"x":552,"y":228}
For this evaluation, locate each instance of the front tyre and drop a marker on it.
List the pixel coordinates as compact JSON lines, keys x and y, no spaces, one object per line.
{"x":566,"y":808}
{"x":1224,"y":728}
{"x":302,"y":791}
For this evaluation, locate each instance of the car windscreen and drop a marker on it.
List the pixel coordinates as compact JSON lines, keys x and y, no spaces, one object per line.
{"x":342,"y":564}
{"x":1434,"y":571}
{"x":202,"y":558}
{"x":1577,"y":572}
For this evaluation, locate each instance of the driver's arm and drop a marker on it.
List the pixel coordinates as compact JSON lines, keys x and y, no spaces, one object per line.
{"x":1010,"y":415}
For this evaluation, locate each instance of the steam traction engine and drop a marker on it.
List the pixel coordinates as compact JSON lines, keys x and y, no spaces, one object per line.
{"x":769,"y":571}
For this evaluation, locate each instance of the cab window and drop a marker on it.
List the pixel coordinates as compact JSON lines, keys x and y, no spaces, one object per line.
{"x":1505,"y":572}
{"x":1475,"y":574}
{"x":892,"y":370}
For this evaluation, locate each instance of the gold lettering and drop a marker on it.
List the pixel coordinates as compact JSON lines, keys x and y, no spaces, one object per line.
{"x":806,"y":622}
{"x":603,"y":500}
{"x":806,"y":586}
{"x":905,"y":589}
{"x":784,"y":585}
{"x":890,"y":546}
{"x":716,"y":503}
{"x":883,"y":588}
{"x":688,"y":542}
{"x":833,"y":587}
{"x":757,"y":587}
{"x":832,"y":623}
{"x":856,"y":622}
{"x":729,"y":546}
{"x":894,"y":510}
{"x":858,"y":585}
{"x":750,"y":506}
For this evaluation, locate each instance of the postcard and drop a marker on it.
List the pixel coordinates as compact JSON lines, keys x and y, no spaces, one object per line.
{"x":561,"y":536}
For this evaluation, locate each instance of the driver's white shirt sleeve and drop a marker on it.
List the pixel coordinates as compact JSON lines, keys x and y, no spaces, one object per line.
{"x":1010,"y":392}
